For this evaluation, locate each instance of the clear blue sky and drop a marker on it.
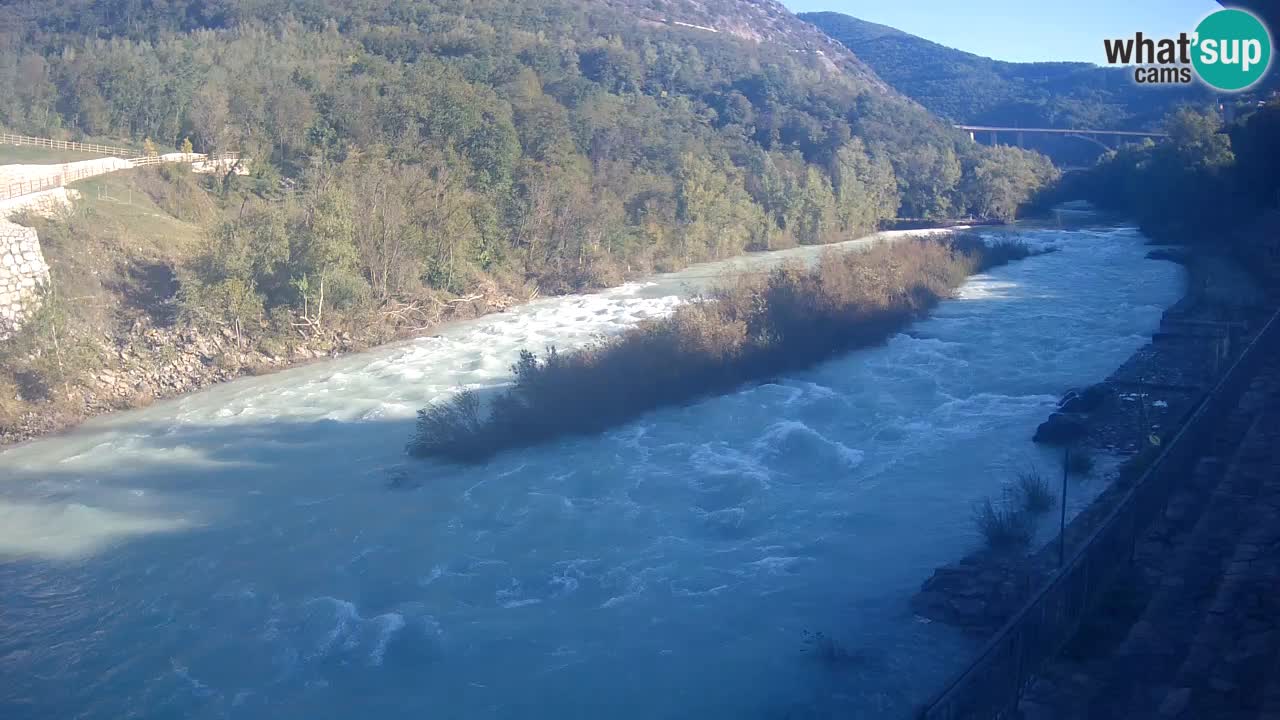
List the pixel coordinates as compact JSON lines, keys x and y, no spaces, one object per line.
{"x":1024,"y":30}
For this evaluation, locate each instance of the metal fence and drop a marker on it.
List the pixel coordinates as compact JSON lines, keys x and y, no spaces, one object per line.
{"x":186,"y":157}
{"x":991,"y":685}
{"x":68,"y":174}
{"x":11,"y":139}
{"x":19,"y":188}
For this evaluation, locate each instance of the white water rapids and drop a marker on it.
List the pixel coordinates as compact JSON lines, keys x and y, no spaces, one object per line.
{"x":264,"y":549}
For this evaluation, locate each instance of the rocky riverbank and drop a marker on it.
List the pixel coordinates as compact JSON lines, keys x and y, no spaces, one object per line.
{"x":149,"y":360}
{"x":1124,"y":418}
{"x":151,"y":355}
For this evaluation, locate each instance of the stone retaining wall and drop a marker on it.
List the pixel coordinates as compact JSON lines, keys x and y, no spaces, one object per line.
{"x":23,"y":272}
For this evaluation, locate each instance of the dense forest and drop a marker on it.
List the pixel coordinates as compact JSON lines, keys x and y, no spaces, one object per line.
{"x":1208,"y":184}
{"x":432,"y":142}
{"x":407,"y":155}
{"x":971,"y":89}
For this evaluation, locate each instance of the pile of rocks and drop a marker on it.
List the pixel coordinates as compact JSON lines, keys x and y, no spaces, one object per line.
{"x":1069,"y":423}
{"x":977,"y":594}
{"x":155,"y":362}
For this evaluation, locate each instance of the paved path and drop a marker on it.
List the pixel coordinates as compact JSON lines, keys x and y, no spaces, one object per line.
{"x":18,"y":181}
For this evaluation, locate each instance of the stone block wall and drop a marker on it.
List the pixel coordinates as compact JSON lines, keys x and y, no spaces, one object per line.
{"x":23,"y":273}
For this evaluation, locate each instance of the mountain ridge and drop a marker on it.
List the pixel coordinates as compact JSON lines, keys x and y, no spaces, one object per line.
{"x":969,"y":88}
{"x":753,"y":20}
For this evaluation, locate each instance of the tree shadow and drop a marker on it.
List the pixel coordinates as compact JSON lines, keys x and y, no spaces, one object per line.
{"x":116,"y":482}
{"x":150,"y":288}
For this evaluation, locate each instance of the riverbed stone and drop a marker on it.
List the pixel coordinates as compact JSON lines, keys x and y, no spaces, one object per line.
{"x":1084,"y":400}
{"x":1060,"y":429}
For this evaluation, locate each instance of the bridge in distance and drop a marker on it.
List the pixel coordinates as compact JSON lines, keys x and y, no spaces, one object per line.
{"x":1092,"y":136}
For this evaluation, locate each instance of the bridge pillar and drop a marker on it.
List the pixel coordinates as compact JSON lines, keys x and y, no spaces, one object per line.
{"x":994,"y":141}
{"x":1020,"y":139}
{"x":971,"y":137}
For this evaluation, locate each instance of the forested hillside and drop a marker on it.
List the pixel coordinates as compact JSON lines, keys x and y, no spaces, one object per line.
{"x":407,"y":151}
{"x":971,"y":89}
{"x":1208,"y":184}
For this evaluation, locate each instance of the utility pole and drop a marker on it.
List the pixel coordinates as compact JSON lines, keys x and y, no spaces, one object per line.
{"x":1062,"y":522}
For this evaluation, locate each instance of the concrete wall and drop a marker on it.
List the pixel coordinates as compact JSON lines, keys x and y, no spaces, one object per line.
{"x":22,"y":273}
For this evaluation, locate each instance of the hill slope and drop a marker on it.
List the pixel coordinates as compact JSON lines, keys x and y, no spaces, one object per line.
{"x":972,"y":89}
{"x":416,"y":156}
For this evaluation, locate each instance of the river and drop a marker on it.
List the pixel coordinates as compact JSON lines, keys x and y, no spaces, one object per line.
{"x":264,"y":549}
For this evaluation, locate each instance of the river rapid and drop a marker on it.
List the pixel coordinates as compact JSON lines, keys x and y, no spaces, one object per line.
{"x":264,"y":549}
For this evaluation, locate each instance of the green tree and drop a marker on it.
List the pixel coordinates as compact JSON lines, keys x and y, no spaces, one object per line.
{"x":1197,"y":139}
{"x":927,"y":176}
{"x":1003,"y":179}
{"x":716,"y":215}
{"x":816,"y":213}
{"x":865,"y":186}
{"x":323,"y":248}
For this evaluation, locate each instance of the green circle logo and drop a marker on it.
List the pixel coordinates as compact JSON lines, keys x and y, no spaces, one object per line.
{"x":1233,"y":50}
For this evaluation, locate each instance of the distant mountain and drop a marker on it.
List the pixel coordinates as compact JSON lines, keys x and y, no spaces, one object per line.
{"x":968,"y":88}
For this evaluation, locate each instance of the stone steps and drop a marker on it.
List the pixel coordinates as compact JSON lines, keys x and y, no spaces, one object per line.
{"x":1071,"y":690}
{"x":1270,"y":709}
{"x":1226,"y":641}
{"x":1199,"y":639}
{"x":1225,"y":674}
{"x":1154,"y":649}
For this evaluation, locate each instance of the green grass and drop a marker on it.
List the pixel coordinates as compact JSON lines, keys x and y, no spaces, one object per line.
{"x":117,"y":199}
{"x":31,"y":155}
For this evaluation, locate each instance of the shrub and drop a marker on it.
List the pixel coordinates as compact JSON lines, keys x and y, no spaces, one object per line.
{"x":230,"y":303}
{"x":827,"y":649}
{"x":1005,"y":251}
{"x":451,"y":426}
{"x":55,"y":350}
{"x":12,"y":407}
{"x":1034,"y":493}
{"x":752,"y":327}
{"x":1003,"y":527}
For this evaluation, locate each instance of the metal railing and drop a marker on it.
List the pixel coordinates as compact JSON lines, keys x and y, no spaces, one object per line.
{"x":11,"y":139}
{"x":187,"y":157}
{"x":991,"y":685}
{"x":68,"y":174}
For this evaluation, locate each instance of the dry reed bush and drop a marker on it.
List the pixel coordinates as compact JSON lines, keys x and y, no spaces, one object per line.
{"x":751,"y":327}
{"x":1004,"y":527}
{"x":708,"y":330}
{"x":1034,"y":493}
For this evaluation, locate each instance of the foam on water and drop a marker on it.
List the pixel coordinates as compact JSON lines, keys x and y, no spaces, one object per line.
{"x":263,"y":549}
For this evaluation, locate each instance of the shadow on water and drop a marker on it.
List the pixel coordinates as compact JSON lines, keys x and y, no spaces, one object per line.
{"x":175,"y":474}
{"x":88,"y":517}
{"x":143,"y":559}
